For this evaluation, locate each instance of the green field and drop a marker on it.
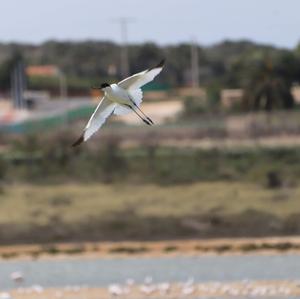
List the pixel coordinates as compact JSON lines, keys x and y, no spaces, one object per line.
{"x":115,"y":212}
{"x":104,"y":191}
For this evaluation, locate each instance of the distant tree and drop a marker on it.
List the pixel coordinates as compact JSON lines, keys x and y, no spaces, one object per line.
{"x":178,"y":59}
{"x":231,"y":64}
{"x":269,"y":86}
{"x":268,"y":94}
{"x":213,"y":94}
{"x":6,"y":69}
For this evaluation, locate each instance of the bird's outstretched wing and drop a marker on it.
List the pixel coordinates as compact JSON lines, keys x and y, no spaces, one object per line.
{"x":134,"y":83}
{"x":104,"y":109}
{"x":138,"y":80}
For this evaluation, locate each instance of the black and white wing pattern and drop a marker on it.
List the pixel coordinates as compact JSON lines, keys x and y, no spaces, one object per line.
{"x":136,"y":81}
{"x":104,"y":109}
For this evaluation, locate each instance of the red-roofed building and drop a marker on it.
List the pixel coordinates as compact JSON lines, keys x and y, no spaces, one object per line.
{"x":43,"y":70}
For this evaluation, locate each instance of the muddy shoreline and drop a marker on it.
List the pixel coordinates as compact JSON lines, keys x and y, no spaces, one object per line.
{"x":168,"y":290}
{"x":226,"y":246}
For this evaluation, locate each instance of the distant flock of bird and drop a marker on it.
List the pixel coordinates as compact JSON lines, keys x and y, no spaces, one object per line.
{"x":148,"y":288}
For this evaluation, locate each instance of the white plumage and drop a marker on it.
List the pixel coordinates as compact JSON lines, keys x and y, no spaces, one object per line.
{"x":136,"y":95}
{"x":138,"y":80}
{"x":104,"y":109}
{"x":121,"y":98}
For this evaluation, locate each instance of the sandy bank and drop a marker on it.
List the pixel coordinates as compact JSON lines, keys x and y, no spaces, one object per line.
{"x":166,"y":290}
{"x":229,"y":246}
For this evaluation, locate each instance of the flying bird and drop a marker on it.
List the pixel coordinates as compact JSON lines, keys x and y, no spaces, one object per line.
{"x":120,"y":98}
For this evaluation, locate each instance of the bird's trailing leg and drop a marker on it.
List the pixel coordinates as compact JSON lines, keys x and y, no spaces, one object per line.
{"x":148,"y":118}
{"x":146,"y":121}
{"x":137,"y":107}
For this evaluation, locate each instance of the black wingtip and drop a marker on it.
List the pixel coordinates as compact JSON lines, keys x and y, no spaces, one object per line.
{"x":78,"y":141}
{"x":160,"y":65}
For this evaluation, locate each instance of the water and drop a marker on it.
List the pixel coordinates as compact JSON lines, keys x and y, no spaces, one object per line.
{"x":101,"y":272}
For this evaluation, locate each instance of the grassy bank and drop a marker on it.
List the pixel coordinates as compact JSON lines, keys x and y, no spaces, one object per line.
{"x":80,"y":212}
{"x":50,"y":192}
{"x":39,"y":159}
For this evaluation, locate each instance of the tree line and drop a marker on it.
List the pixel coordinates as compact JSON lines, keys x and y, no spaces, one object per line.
{"x":265,"y":72}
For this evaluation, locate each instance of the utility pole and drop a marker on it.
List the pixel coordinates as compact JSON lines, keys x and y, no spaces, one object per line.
{"x":62,"y":85}
{"x":18,"y":85}
{"x":124,"y":47}
{"x":194,"y":64}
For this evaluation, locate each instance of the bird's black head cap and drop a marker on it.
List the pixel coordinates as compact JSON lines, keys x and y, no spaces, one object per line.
{"x":103,"y":85}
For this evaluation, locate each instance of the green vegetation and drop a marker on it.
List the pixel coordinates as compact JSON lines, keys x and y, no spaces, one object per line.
{"x":107,"y":190}
{"x":141,"y":189}
{"x":145,"y":212}
{"x":50,"y":159}
{"x":263,"y":71}
{"x":269,"y":85}
{"x":128,"y":249}
{"x":51,"y":192}
{"x":170,"y":248}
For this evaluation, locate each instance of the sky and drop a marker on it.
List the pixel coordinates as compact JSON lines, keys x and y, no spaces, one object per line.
{"x":275,"y":22}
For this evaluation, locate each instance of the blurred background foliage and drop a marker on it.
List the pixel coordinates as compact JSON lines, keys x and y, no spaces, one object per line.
{"x":193,"y":175}
{"x":259,"y":69}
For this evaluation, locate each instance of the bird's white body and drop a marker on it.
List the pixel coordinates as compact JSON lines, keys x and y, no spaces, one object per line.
{"x":17,"y":276}
{"x":121,"y":98}
{"x":117,"y":94}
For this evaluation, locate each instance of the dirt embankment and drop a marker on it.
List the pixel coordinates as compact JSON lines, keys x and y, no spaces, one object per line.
{"x":159,"y":248}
